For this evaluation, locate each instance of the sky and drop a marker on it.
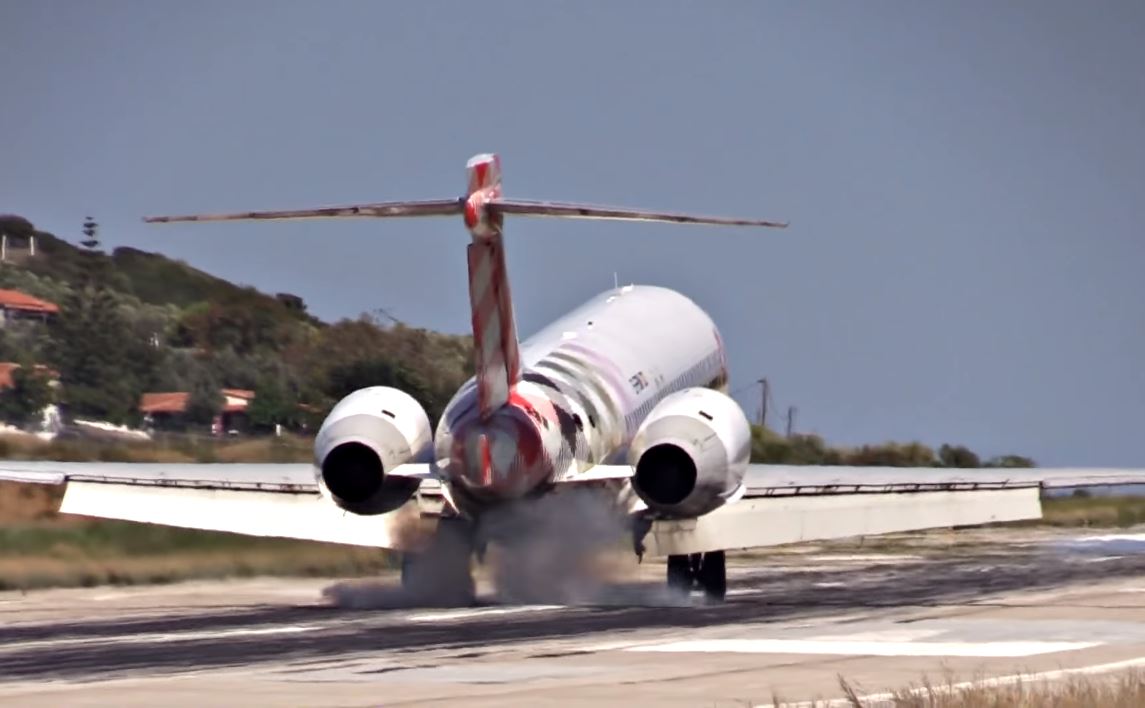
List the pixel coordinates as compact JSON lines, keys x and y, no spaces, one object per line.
{"x":965,"y":181}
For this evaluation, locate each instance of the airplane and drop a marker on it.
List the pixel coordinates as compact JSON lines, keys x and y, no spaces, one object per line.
{"x":628,"y":392}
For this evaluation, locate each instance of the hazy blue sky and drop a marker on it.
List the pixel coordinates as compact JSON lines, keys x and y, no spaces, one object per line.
{"x":965,"y":180}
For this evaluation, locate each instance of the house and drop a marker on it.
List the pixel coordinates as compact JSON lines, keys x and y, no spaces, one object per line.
{"x":165,"y":410}
{"x":7,"y":368}
{"x":15,"y":305}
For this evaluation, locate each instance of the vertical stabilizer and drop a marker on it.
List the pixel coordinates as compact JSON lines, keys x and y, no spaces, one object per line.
{"x":491,"y":306}
{"x":484,"y":210}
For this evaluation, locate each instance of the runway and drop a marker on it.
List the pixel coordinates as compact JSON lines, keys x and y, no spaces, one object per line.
{"x":989,"y":604}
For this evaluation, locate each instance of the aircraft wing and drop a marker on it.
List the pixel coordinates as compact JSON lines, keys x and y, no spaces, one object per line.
{"x":778,"y":504}
{"x":280,"y":500}
{"x":783,"y":504}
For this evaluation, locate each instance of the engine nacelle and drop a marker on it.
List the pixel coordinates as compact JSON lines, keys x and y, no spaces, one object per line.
{"x":369,"y":433}
{"x":690,"y":453}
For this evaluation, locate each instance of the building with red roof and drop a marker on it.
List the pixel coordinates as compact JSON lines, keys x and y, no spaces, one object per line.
{"x":16,"y":305}
{"x":7,"y":368}
{"x":166,"y":409}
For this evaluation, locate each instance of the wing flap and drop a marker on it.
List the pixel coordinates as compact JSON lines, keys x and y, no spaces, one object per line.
{"x":252,"y":513}
{"x":778,"y":520}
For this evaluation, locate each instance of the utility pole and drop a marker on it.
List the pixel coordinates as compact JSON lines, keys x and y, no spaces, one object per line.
{"x":791,"y":410}
{"x":764,"y":394}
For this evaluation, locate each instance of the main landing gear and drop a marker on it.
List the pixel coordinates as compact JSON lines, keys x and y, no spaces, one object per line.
{"x":703,"y":571}
{"x":442,"y":574}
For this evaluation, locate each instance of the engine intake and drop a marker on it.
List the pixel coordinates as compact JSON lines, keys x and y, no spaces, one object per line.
{"x":370,"y":432}
{"x":666,"y":474}
{"x":691,"y":453}
{"x":353,"y":472}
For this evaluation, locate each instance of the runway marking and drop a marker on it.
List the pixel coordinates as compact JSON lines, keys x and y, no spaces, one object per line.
{"x":482,"y":612}
{"x":992,"y":682}
{"x":885,"y":635}
{"x":156,"y":637}
{"x":861,"y":558}
{"x":865,"y":648}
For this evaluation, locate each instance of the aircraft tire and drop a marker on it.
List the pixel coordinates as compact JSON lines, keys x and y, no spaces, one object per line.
{"x":680,"y":576}
{"x":713,"y":576}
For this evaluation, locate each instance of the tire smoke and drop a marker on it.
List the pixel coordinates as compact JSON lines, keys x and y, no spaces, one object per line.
{"x":570,"y":547}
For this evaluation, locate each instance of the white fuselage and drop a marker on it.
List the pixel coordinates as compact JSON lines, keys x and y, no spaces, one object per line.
{"x":589,"y":379}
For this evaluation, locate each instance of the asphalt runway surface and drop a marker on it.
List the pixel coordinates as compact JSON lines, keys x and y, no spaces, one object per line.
{"x":966,"y":606}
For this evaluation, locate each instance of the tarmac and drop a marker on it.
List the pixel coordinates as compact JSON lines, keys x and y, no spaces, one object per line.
{"x":962,"y":607}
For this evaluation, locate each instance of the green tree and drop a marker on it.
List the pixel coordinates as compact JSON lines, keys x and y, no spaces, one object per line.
{"x":1010,"y":461}
{"x":204,"y":400}
{"x":24,"y":401}
{"x":958,"y":456}
{"x":274,"y":404}
{"x":104,"y":366}
{"x":913,"y":454}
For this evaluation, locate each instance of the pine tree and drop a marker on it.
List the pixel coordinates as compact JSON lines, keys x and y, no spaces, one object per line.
{"x":90,"y":238}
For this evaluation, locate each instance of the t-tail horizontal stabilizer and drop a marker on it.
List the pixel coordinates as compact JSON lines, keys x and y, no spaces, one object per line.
{"x":483,"y":209}
{"x":450,"y":207}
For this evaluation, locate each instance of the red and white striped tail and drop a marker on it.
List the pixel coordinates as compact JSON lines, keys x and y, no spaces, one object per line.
{"x":491,"y":306}
{"x":484,"y":210}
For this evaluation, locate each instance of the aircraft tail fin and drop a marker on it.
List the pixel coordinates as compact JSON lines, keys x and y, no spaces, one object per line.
{"x":497,"y":354}
{"x":496,"y":348}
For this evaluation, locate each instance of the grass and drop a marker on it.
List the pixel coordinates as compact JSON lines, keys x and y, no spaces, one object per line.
{"x":1085,"y":511}
{"x":165,"y":448}
{"x":1121,"y":690}
{"x":39,"y":548}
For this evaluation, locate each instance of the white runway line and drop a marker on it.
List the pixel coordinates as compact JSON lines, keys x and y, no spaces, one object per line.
{"x":481,"y":612}
{"x":879,"y":558}
{"x":865,"y":648}
{"x":157,"y":637}
{"x":874,"y":699}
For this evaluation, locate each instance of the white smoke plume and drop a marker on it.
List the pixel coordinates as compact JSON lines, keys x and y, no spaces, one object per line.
{"x":570,"y":547}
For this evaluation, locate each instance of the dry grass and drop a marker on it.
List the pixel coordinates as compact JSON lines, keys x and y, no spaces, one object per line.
{"x":1083,"y":511}
{"x":85,"y":552}
{"x":21,"y":503}
{"x":1120,"y":690}
{"x":170,"y":448}
{"x":294,"y":559}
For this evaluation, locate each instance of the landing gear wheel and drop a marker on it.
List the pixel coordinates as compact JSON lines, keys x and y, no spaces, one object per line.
{"x":713,"y":576}
{"x":703,"y":571}
{"x":441,"y":575}
{"x":680,"y":574}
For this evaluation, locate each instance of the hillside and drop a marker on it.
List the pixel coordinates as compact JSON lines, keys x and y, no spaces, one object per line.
{"x":132,"y":321}
{"x":151,"y":278}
